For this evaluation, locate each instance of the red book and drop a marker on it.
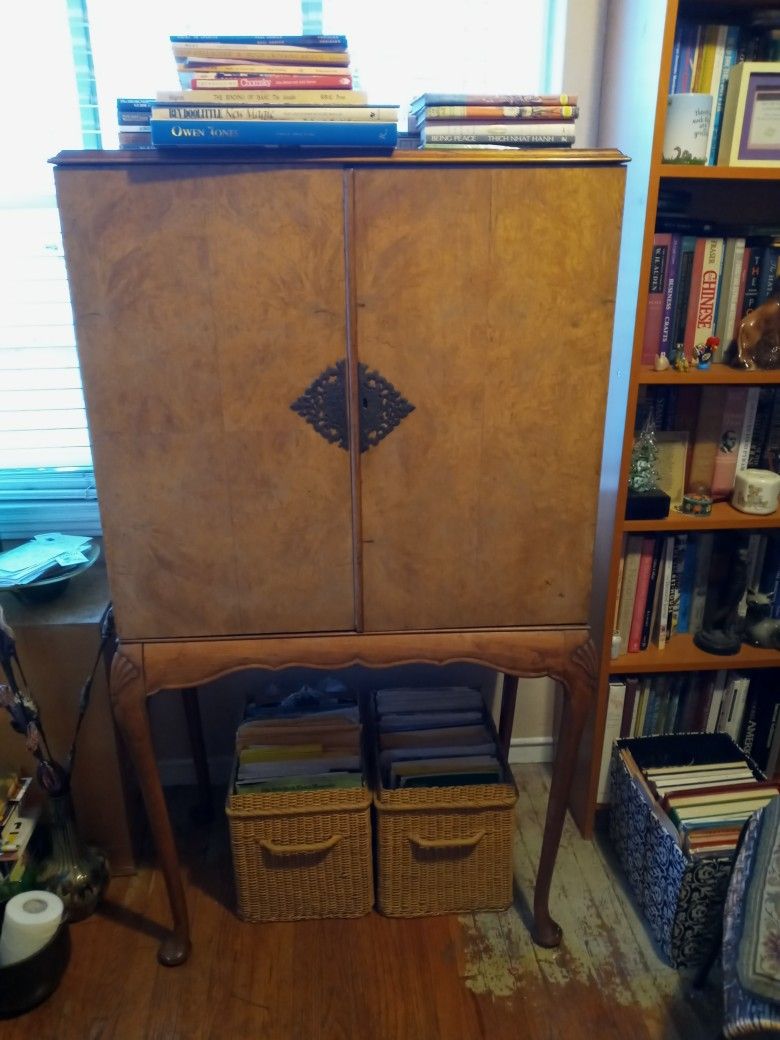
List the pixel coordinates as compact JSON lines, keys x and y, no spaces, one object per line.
{"x":289,"y":81}
{"x":656,"y":295}
{"x":640,"y":600}
{"x":696,"y":793}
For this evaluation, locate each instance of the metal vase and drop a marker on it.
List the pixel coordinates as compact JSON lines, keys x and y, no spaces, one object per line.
{"x":75,"y":871}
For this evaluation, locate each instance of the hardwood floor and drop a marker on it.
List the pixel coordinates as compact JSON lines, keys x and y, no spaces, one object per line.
{"x":374,"y":978}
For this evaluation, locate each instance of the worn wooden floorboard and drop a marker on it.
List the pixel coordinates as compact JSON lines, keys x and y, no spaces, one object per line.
{"x":468,"y":977}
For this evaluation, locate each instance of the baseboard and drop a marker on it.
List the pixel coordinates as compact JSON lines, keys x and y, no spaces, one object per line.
{"x":179,"y":772}
{"x":530,"y":749}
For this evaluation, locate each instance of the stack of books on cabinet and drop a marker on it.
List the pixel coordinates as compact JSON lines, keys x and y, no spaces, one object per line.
{"x":709,"y":255}
{"x":494,"y":120}
{"x":268,"y":91}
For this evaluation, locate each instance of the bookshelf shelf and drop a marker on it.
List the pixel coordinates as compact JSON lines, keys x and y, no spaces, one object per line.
{"x":717,"y":374}
{"x":668,"y":199}
{"x":723,"y":517}
{"x":680,"y":655}
{"x":667,"y":171}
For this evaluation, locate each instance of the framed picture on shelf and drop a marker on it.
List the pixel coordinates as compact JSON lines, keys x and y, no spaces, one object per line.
{"x":750,"y":134}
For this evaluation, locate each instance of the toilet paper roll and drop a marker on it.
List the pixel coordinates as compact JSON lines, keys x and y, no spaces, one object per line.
{"x":31,"y":919}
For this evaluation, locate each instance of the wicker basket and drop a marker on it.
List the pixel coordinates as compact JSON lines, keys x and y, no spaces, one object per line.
{"x":442,"y":850}
{"x":302,"y":854}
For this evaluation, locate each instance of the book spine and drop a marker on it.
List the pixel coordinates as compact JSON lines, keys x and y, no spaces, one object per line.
{"x":263,"y":97}
{"x":507,"y":131}
{"x":729,"y":58}
{"x":253,"y":112}
{"x":617,"y":693}
{"x":281,"y":82}
{"x":701,"y":580}
{"x":432,"y":100}
{"x":716,"y":701}
{"x":477,"y":138}
{"x":686,"y":585}
{"x":311,"y":40}
{"x":665,"y":582}
{"x":547,"y":113}
{"x":651,"y":605}
{"x":672,"y":274}
{"x":754,"y":255}
{"x":286,"y":54}
{"x":676,"y":49}
{"x":651,"y":339}
{"x":728,"y":442}
{"x":178,"y":132}
{"x":640,"y":601}
{"x":768,"y":274}
{"x":675,"y":584}
{"x":704,"y":294}
{"x":748,"y":426}
{"x":633,"y":550}
{"x":688,"y":49}
{"x":629,"y":705}
{"x":734,"y":254}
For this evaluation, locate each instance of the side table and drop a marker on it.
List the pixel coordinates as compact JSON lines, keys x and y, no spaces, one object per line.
{"x":141,"y":669}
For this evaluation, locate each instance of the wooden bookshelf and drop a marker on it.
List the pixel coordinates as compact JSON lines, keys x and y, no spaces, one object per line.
{"x":637,"y":66}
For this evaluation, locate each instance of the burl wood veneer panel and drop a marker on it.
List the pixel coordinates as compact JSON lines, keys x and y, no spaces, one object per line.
{"x":206,"y":300}
{"x":486,"y":298}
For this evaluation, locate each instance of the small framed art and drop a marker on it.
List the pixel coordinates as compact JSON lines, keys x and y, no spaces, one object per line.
{"x":750,"y":133}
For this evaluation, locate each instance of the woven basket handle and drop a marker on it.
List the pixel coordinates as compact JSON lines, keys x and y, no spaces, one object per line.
{"x":447,"y":843}
{"x":300,"y":850}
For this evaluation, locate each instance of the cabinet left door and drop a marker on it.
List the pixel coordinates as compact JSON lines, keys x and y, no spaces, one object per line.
{"x":207,"y":299}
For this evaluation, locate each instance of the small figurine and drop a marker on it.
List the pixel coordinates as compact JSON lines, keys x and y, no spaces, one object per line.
{"x":758,"y":337}
{"x":661,"y":362}
{"x":680,"y":362}
{"x":704,"y":352}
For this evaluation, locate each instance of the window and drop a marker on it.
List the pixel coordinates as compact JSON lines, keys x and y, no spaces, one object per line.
{"x":93,"y":52}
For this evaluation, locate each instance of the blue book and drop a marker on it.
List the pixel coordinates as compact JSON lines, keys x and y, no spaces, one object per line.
{"x":209,"y":133}
{"x":314,"y":40}
{"x":689,"y":42}
{"x":766,"y":282}
{"x":686,"y":586}
{"x":730,"y":57}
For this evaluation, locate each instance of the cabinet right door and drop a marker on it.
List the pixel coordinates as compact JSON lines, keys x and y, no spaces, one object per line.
{"x":484,"y":297}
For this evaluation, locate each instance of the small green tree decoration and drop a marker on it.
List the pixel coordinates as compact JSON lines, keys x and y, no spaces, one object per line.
{"x":643,"y":475}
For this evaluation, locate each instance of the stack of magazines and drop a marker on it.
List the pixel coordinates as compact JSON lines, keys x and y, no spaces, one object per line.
{"x":494,"y":120}
{"x":308,"y":740}
{"x":268,"y":91}
{"x":435,"y":738}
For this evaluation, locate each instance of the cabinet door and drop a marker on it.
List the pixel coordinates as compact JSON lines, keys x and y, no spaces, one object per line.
{"x":207,"y":299}
{"x":485,"y":296}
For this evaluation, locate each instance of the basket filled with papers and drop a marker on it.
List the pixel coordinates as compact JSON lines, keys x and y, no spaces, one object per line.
{"x":444,"y":802}
{"x":299,"y":808}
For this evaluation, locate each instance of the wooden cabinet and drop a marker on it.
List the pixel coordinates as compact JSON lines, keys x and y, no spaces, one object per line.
{"x":209,"y":298}
{"x":345,"y":411}
{"x":638,"y":64}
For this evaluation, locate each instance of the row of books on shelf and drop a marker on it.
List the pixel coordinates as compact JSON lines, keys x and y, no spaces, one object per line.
{"x":312,"y":739}
{"x":669,"y":584}
{"x":703,"y":55}
{"x":704,"y":436}
{"x":701,"y":286}
{"x":17,"y":825}
{"x":493,"y":120}
{"x":703,"y":805}
{"x":743,"y":704}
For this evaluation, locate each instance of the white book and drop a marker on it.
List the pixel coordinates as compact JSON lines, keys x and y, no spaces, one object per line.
{"x":716,"y":701}
{"x":667,"y":561}
{"x":748,"y":422}
{"x":733,"y":256}
{"x":617,"y":696}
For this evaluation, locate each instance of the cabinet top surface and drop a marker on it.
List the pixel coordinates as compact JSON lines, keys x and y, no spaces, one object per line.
{"x":261,"y":157}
